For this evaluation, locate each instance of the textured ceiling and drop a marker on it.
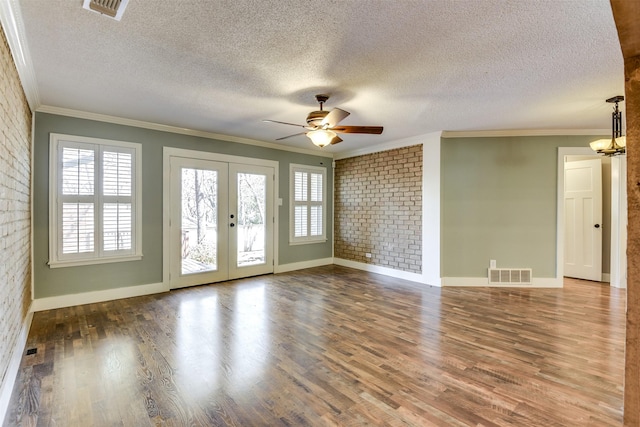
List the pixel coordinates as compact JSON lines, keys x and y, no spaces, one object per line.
{"x":414,"y":67}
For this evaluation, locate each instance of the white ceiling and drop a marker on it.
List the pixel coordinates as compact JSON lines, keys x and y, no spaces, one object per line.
{"x":414,"y":67}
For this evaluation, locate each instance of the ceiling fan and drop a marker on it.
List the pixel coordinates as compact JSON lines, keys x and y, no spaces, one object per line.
{"x":322,"y":126}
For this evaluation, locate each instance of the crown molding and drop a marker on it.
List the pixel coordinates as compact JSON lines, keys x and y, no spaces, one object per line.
{"x":13,"y":25}
{"x":414,"y":140}
{"x":523,"y":132}
{"x":173,"y":129}
{"x":406,"y":142}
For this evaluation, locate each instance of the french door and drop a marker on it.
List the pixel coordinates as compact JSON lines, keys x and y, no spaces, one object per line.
{"x":221,"y":221}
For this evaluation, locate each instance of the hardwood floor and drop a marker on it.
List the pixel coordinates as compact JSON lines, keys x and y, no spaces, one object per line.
{"x":329,"y":346}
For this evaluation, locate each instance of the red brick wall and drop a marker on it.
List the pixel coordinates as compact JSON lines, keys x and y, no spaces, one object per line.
{"x":378,"y":209}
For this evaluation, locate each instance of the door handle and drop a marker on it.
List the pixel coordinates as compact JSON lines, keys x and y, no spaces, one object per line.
{"x":232,"y":225}
{"x":597,"y":226}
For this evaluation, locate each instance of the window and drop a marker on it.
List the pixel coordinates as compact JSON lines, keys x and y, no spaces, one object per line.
{"x":94,"y":206}
{"x":307,"y":200}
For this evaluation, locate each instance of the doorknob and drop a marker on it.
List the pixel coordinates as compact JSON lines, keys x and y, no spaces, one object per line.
{"x":231,"y":216}
{"x":597,"y":226}
{"x":232,"y":225}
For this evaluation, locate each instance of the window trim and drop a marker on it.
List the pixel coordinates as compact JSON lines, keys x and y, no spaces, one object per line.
{"x":293,"y":240}
{"x":97,"y":257}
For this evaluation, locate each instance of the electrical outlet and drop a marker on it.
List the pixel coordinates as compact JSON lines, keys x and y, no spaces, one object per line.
{"x":367,"y":255}
{"x":492,"y":263}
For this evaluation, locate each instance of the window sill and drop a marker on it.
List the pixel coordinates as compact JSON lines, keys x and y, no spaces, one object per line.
{"x":306,"y":242}
{"x":105,"y":260}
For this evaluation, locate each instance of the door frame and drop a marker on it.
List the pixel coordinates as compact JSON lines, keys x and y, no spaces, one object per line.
{"x":617,"y":257}
{"x":167,"y":154}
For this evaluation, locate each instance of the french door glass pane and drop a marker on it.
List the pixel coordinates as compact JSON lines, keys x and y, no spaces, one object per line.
{"x":199,"y":220}
{"x":251,"y":226}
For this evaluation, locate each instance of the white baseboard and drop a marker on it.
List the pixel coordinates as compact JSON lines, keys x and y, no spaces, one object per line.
{"x":606,"y":277}
{"x":96,"y":296}
{"x":539,"y":282}
{"x":6,"y":388}
{"x":414,"y":277}
{"x":284,"y":268}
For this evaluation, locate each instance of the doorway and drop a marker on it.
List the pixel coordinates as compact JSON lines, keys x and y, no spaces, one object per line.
{"x":220,"y":218}
{"x":613,"y":224}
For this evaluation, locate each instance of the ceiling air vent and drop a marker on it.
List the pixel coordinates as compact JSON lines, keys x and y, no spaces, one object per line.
{"x":112,"y":8}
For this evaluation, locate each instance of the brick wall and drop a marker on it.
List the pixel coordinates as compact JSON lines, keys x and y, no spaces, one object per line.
{"x":378,"y":209}
{"x":15,"y":216}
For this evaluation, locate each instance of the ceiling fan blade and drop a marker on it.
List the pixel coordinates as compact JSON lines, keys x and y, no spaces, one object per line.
{"x":377,"y":130}
{"x":284,"y":123}
{"x":334,"y":117}
{"x":290,"y":136}
{"x":336,"y":139}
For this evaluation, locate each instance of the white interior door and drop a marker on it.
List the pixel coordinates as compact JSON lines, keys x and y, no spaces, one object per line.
{"x":221,"y":221}
{"x":583,"y":219}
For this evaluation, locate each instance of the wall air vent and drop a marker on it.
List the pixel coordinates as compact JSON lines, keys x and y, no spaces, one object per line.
{"x":510,"y":276}
{"x":111,"y":8}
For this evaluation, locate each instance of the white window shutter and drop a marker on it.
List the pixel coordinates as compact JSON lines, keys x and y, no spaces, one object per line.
{"x":307,"y":204}
{"x":95,"y":202}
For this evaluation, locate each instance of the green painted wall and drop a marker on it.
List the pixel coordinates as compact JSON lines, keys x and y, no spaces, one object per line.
{"x":498,"y":201}
{"x":70,"y":280}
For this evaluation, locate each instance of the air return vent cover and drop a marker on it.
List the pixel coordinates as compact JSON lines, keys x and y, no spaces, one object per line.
{"x":509,"y":276}
{"x":112,"y":8}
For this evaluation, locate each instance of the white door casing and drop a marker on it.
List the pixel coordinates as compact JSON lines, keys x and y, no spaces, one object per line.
{"x":619,"y":221}
{"x":232,"y":255}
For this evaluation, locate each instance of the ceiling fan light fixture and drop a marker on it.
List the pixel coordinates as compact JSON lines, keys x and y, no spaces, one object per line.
{"x":323,"y":126}
{"x":321,"y":137}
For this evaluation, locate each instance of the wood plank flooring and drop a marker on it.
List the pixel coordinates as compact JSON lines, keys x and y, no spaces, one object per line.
{"x":329,"y":346}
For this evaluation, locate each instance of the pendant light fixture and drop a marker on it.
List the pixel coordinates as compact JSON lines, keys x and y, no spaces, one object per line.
{"x":617,"y":144}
